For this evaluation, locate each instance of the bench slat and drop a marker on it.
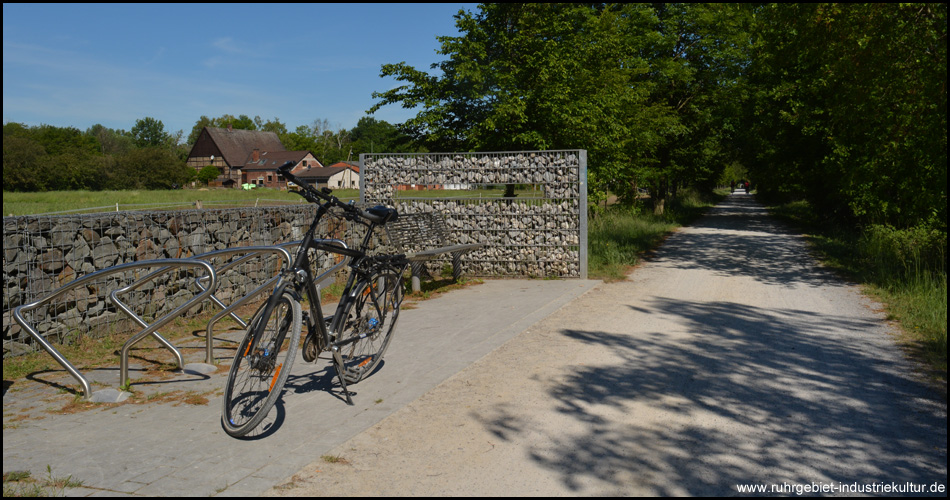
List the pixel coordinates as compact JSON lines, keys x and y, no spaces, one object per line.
{"x":429,"y":254}
{"x":423,"y":237}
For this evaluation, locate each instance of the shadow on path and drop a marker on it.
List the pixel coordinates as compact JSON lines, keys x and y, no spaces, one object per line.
{"x":738,"y":237}
{"x":746,"y":394}
{"x":756,"y":397}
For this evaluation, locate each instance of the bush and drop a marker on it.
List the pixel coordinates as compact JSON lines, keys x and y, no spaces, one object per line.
{"x":903,"y":253}
{"x":208,"y":174}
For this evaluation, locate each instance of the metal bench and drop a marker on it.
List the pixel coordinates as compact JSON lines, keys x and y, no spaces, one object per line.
{"x":423,"y":237}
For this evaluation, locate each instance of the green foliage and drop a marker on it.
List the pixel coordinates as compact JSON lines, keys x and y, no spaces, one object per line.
{"x":111,"y":142}
{"x":149,"y":132}
{"x":900,"y":254}
{"x":639,"y":86}
{"x":47,"y":158}
{"x":848,"y":109}
{"x":208,"y":174}
{"x":150,"y":168}
{"x":23,"y":161}
{"x":377,"y":136}
{"x":906,"y":269}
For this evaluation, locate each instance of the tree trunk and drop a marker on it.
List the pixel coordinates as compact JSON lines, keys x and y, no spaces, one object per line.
{"x":659,"y":205}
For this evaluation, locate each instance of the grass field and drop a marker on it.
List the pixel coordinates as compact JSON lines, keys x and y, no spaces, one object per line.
{"x":67,"y":202}
{"x":59,"y":202}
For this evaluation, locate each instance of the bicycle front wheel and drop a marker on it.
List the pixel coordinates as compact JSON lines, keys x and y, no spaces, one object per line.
{"x":258,"y":375}
{"x":365,"y":328}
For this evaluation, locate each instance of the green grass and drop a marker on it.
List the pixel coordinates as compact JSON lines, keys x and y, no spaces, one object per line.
{"x":905,"y":269}
{"x":175,"y":199}
{"x":620,"y":235}
{"x":23,"y":484}
{"x":58,"y":202}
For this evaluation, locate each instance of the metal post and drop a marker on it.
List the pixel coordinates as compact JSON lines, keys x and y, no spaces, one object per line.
{"x":582,"y":190}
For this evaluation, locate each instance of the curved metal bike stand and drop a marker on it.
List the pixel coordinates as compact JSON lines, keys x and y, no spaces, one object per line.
{"x":253,"y":252}
{"x":151,"y":329}
{"x":167,"y":264}
{"x":267,"y":285}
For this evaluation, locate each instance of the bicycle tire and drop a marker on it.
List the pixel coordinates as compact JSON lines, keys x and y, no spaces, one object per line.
{"x":365,"y":328}
{"x":256,"y":379}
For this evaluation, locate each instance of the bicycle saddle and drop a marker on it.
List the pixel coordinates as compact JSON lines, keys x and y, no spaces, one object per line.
{"x":383,"y":214}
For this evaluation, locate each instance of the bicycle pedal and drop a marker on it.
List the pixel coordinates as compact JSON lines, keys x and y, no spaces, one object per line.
{"x":352,"y":378}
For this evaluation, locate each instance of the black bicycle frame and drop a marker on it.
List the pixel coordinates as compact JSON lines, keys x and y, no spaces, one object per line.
{"x":298,"y":277}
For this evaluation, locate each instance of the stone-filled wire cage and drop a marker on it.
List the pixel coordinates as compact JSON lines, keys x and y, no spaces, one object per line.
{"x":539,"y":232}
{"x":42,"y":253}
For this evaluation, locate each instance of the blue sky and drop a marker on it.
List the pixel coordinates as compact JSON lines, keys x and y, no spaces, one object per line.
{"x":80,"y":64}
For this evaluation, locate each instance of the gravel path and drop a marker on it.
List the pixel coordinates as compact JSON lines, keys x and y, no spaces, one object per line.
{"x":728,"y":359}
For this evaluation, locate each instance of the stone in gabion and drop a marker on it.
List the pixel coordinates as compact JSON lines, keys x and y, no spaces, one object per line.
{"x":514,"y":231}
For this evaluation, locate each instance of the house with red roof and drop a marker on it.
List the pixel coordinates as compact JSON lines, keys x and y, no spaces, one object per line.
{"x":261,"y":168}
{"x":342,"y":175}
{"x":246,"y":157}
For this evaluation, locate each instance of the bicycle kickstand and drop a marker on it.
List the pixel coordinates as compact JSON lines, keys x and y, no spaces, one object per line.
{"x":338,"y":361}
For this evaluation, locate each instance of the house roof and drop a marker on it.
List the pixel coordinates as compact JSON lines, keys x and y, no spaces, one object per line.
{"x":355,"y":165}
{"x":270,"y":160}
{"x":236,"y":145}
{"x":321,"y":173}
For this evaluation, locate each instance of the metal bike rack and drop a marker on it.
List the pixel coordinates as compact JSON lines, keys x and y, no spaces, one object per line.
{"x":206,"y":284}
{"x":166,"y":265}
{"x":254,"y":252}
{"x":227,"y":310}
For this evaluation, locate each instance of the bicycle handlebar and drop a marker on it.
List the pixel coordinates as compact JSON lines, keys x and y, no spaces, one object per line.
{"x":313,"y":195}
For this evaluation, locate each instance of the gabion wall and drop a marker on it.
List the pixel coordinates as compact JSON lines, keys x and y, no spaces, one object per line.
{"x":43,"y":253}
{"x":538,"y":236}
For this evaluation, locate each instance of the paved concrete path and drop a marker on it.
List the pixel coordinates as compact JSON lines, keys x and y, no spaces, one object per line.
{"x":729,"y":359}
{"x":168,"y":447}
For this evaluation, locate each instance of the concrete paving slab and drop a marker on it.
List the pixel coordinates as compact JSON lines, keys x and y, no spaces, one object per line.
{"x":168,"y":448}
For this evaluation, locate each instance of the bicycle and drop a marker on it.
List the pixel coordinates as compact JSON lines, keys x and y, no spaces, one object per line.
{"x":357,"y":334}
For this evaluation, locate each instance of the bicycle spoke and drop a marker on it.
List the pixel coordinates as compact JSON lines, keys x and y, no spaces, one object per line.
{"x":258,"y":374}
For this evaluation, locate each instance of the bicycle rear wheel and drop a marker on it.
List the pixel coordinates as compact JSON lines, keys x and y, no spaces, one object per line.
{"x":257,"y":376}
{"x":365,"y":328}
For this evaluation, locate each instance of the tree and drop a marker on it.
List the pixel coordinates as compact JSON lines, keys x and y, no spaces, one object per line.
{"x":208,"y":174}
{"x":155,"y":167}
{"x":378,"y":136}
{"x":149,"y":132}
{"x":634,"y":84}
{"x":111,"y":141}
{"x":274,"y":125}
{"x":241,"y":122}
{"x":24,"y":164}
{"x":696,"y":61}
{"x":531,"y":76}
{"x":47,"y":158}
{"x":849,"y":110}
